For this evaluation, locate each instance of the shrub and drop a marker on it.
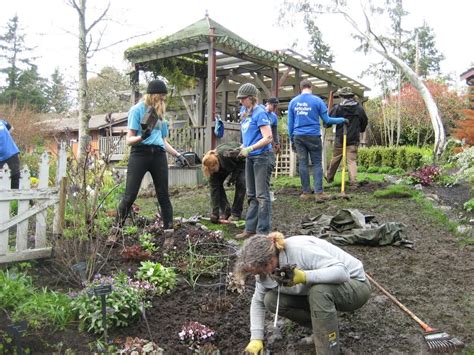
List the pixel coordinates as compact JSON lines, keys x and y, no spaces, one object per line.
{"x":397,"y":171}
{"x":372,"y":169}
{"x":469,"y":205}
{"x":385,"y":169}
{"x":15,"y":288}
{"x":424,"y":176}
{"x":394,"y":157}
{"x":124,"y":301}
{"x":163,"y":278}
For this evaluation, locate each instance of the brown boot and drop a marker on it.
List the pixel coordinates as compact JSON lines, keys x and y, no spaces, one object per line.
{"x":306,"y":196}
{"x":244,"y":235}
{"x":321,"y":197}
{"x":169,"y":239}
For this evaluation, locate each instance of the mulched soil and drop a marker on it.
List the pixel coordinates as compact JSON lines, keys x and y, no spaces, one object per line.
{"x":434,"y":280}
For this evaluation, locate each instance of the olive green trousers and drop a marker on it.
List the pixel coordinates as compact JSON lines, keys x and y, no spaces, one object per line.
{"x":322,"y":302}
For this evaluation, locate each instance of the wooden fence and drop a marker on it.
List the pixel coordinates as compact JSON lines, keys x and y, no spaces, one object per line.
{"x":23,"y":212}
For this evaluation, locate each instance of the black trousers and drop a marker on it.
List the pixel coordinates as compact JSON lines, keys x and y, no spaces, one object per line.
{"x":142,"y":159}
{"x":219,"y":201}
{"x":14,"y":165}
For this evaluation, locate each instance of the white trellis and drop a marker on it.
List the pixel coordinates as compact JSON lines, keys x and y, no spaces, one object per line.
{"x":24,"y":235}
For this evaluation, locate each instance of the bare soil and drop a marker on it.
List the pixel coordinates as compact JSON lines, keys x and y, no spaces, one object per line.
{"x":434,"y":280}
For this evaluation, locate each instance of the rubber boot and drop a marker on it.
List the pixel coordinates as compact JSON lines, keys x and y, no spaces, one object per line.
{"x":326,"y":336}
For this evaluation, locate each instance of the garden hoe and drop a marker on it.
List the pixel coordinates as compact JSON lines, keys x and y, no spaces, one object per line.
{"x":437,"y":340}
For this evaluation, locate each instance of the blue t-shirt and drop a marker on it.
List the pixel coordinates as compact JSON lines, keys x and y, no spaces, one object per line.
{"x":304,"y":112}
{"x":8,"y":147}
{"x":250,"y":128}
{"x":160,"y":131}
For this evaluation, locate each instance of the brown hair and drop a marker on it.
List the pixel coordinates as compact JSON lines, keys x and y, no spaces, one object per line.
{"x":306,"y":84}
{"x":210,"y":163}
{"x":157,"y":101}
{"x":258,"y":251}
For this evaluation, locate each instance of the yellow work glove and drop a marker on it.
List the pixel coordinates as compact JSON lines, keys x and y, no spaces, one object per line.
{"x":254,"y":347}
{"x":288,"y":276}
{"x":244,"y":152}
{"x":299,"y":277}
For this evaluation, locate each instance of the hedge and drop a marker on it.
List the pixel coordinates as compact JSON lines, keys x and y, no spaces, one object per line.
{"x":405,"y":157}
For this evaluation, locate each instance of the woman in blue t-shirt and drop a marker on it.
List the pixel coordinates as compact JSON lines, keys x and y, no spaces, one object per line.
{"x":148,"y":153}
{"x":257,"y":138}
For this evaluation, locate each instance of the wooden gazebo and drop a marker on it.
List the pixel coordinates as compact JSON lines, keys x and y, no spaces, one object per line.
{"x":221,"y":61}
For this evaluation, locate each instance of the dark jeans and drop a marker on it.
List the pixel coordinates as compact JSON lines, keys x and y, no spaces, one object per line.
{"x":310,"y":146}
{"x":219,"y":201}
{"x":143,"y":159}
{"x":14,"y":166}
{"x":257,"y":174}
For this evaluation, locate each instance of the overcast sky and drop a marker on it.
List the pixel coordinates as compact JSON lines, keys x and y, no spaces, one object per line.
{"x":50,"y":26}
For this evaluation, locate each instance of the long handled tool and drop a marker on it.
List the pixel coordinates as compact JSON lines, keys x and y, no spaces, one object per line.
{"x":437,"y":341}
{"x":344,"y":148}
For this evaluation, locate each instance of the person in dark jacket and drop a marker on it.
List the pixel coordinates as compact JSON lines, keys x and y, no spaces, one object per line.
{"x":218,"y":165}
{"x":353,"y":111}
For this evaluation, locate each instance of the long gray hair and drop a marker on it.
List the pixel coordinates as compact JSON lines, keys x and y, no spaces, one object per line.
{"x":257,"y":252}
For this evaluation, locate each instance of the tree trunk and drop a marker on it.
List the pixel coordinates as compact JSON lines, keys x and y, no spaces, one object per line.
{"x":84,"y":115}
{"x":438,"y":128}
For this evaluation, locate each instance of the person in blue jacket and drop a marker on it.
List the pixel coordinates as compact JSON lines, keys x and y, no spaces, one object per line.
{"x":257,"y":148}
{"x":9,"y":153}
{"x":148,"y":153}
{"x":304,"y":130}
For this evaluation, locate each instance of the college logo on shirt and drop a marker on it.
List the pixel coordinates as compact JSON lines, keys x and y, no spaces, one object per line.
{"x":302,"y":108}
{"x":246,"y":124}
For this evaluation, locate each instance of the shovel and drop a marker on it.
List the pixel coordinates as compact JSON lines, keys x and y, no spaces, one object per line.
{"x":437,"y":340}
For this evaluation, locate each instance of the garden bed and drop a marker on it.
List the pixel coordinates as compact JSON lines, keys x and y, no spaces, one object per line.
{"x":434,"y":280}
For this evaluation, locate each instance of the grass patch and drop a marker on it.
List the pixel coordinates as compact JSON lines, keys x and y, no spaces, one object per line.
{"x":395,"y":191}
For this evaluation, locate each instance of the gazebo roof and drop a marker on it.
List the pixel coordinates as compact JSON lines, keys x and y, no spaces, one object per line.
{"x":235,"y":55}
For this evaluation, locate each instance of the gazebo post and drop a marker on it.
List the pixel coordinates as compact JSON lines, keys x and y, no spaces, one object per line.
{"x":210,"y":139}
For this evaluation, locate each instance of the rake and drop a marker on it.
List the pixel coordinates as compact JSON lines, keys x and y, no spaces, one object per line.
{"x":437,"y":340}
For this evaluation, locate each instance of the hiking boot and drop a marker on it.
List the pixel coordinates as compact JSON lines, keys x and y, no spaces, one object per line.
{"x":244,"y":235}
{"x":214,"y":219}
{"x":306,"y":196}
{"x":169,"y":239}
{"x":234,"y":218}
{"x":321,"y":196}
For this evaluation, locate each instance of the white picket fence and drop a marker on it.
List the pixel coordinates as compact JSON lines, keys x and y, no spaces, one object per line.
{"x":24,"y":235}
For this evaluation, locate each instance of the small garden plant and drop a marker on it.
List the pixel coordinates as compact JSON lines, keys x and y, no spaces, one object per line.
{"x":163,"y":278}
{"x":194,"y":335}
{"x":123,"y":303}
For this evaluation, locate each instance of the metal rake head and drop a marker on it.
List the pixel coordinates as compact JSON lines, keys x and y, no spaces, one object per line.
{"x":441,"y":342}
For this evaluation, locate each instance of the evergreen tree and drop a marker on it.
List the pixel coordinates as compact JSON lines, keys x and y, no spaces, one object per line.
{"x":422,"y":54}
{"x":320,"y":51}
{"x":57,"y":94}
{"x":14,"y":52}
{"x":24,"y":87}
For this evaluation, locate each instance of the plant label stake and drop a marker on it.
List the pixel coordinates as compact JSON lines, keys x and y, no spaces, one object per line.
{"x":80,"y":268}
{"x":16,"y":330}
{"x":103,"y":291}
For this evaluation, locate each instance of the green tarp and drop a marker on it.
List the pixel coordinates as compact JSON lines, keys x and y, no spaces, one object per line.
{"x":350,"y":226}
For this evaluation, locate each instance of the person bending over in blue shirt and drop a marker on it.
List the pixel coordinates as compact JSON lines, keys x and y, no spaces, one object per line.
{"x":304,"y":130}
{"x":9,"y":153}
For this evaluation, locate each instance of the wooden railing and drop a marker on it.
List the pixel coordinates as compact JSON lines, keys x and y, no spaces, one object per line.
{"x":189,"y":139}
